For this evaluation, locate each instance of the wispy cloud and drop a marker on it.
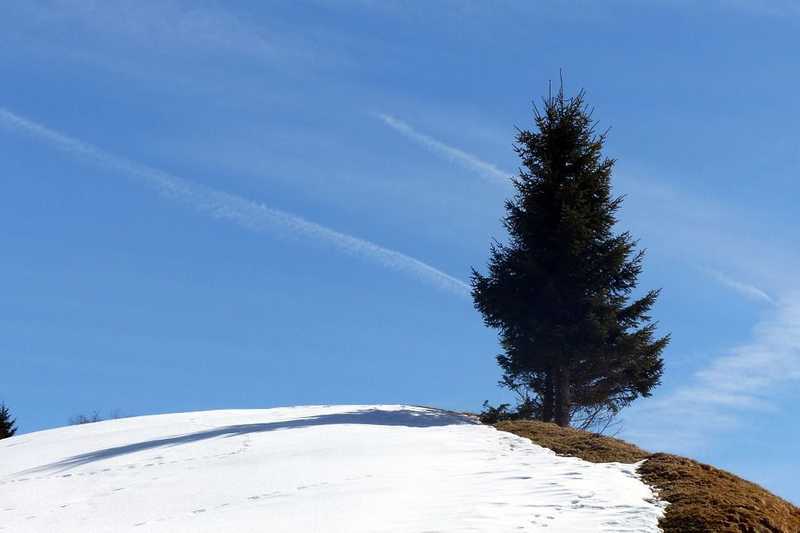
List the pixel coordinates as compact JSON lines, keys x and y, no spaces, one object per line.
{"x":225,"y":206}
{"x":486,"y":170}
{"x":691,"y":228}
{"x":164,"y":25}
{"x":744,"y":380}
{"x":748,"y":291}
{"x":771,"y":358}
{"x":170,"y":40}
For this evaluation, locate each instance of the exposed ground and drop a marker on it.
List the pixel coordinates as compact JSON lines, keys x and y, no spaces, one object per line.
{"x":701,"y":498}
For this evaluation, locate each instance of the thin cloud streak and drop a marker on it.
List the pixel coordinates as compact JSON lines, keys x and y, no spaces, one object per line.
{"x":225,"y":206}
{"x":749,"y":291}
{"x":486,"y":170}
{"x":164,"y":26}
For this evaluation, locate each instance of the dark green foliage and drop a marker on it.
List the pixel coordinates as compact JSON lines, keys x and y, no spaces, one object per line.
{"x":574,"y":344}
{"x":492,"y":415}
{"x":7,"y":427}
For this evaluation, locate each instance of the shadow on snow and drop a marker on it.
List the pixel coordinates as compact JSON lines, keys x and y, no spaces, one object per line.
{"x":376,"y":417}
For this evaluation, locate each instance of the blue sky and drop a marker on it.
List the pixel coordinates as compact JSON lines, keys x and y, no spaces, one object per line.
{"x":246,"y":204}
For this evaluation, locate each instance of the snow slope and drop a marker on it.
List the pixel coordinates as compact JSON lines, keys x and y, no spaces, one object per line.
{"x":345,"y":469}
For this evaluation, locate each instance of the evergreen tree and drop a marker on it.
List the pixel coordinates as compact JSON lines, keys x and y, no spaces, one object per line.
{"x":7,"y":428}
{"x":575,"y":344}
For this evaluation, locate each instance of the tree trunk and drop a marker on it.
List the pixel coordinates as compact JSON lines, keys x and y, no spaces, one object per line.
{"x":548,"y":396}
{"x":563,"y":401}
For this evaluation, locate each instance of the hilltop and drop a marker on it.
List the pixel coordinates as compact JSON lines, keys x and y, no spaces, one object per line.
{"x":350,"y":469}
{"x":362,"y":468}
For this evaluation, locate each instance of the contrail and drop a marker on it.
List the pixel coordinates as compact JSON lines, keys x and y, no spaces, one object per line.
{"x":225,"y":206}
{"x":487,"y":170}
{"x":745,"y":289}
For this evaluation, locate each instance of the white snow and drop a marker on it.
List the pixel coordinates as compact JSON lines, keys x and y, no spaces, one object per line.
{"x":348,"y":469}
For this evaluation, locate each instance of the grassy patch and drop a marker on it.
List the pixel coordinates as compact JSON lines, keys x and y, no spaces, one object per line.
{"x":574,"y":442}
{"x":701,"y":498}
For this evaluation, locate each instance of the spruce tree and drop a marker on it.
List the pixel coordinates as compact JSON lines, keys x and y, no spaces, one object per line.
{"x":7,"y":428}
{"x":560,"y":290}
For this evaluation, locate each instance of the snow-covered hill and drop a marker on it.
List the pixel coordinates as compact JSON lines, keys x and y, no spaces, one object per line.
{"x":342,"y":469}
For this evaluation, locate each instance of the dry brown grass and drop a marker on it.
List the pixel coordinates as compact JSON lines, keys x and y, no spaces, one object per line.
{"x":704,"y":498}
{"x":574,"y":442}
{"x":701,"y":498}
